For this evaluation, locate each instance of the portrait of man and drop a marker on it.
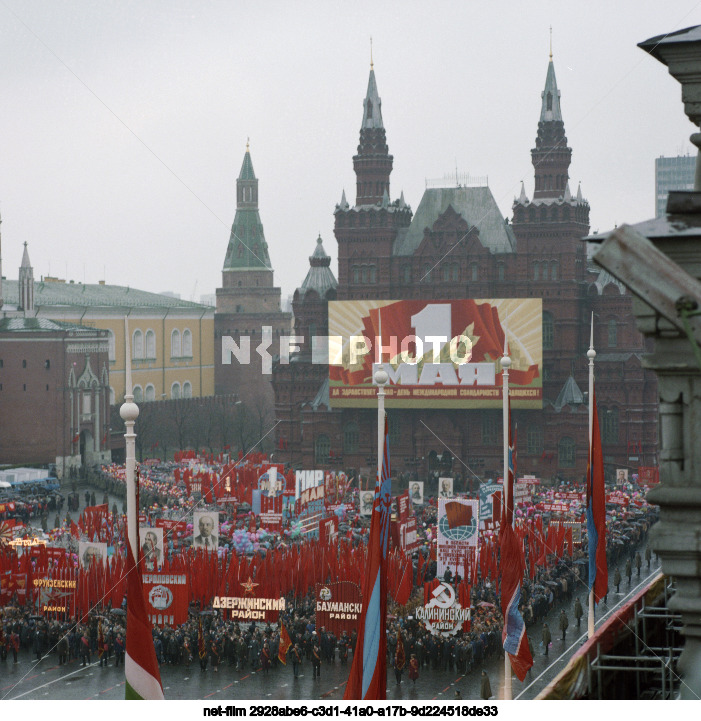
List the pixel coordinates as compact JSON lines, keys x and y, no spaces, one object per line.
{"x":366,"y":500}
{"x":622,"y":475}
{"x":445,"y":487}
{"x":151,"y":542}
{"x":417,"y":492}
{"x":91,"y":552}
{"x":205,"y":530}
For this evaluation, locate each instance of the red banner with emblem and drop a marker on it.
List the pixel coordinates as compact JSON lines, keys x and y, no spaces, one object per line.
{"x":338,"y":606}
{"x":166,"y":597}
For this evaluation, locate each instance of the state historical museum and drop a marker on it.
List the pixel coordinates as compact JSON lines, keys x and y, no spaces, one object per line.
{"x":459,"y":245}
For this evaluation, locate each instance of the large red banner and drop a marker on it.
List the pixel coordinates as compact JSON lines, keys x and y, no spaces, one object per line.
{"x":166,"y":597}
{"x":338,"y":606}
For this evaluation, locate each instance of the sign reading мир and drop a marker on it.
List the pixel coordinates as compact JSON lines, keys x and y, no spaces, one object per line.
{"x":437,"y":354}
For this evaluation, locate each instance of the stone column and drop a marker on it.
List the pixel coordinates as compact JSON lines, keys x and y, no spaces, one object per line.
{"x":660,"y":261}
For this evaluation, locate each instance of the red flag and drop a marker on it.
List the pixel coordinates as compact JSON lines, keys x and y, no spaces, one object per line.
{"x":596,"y":514}
{"x":285,"y":643}
{"x":368,"y":675}
{"x":143,"y":678}
{"x":514,"y":639}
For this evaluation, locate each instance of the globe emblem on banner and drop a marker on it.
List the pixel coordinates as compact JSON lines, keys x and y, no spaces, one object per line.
{"x":459,"y":533}
{"x":160,"y":597}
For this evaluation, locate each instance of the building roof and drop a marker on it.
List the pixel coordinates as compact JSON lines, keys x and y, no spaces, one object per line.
{"x":476,"y":205}
{"x":47,"y":293}
{"x":247,"y":247}
{"x":570,"y":395}
{"x":372,"y":105}
{"x":247,"y":172}
{"x":25,"y":257}
{"x":320,"y":277}
{"x":322,"y":396}
{"x":39,"y":325}
{"x":550,"y":108}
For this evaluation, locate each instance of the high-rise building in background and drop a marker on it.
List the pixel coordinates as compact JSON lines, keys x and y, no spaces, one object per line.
{"x":675,"y":173}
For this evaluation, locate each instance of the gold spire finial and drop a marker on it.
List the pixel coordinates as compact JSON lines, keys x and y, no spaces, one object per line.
{"x":551,"y":42}
{"x":248,"y":141}
{"x":372,"y":65}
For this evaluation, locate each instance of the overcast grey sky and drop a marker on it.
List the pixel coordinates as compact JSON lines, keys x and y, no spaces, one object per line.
{"x":124,"y":124}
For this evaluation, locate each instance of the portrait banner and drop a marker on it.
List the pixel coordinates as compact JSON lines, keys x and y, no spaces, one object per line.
{"x":416,"y":492}
{"x":151,"y":547}
{"x":205,"y":530}
{"x":89,"y":552}
{"x":445,"y":488}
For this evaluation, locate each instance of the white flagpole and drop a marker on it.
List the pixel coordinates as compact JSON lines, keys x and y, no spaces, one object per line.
{"x":129,"y":413}
{"x":505,"y":365}
{"x":381,"y":378}
{"x":591,"y":354}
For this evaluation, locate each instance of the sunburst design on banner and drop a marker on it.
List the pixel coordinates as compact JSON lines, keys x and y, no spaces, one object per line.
{"x":5,"y":534}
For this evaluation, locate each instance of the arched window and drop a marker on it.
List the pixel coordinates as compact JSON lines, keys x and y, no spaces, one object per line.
{"x":187,"y":389}
{"x":322,"y":449}
{"x":553,"y":270}
{"x":356,"y":274}
{"x":175,"y":390}
{"x":351,"y":438}
{"x":426,"y":274}
{"x":111,"y":352}
{"x":609,"y":417}
{"x":500,"y":271}
{"x":137,"y":345}
{"x":407,"y":274}
{"x":534,"y":440}
{"x":373,"y":275}
{"x":150,"y":393}
{"x":548,"y":331}
{"x":544,"y":270}
{"x":474,"y":269}
{"x":138,"y":394}
{"x":150,"y":344}
{"x":187,"y":343}
{"x":566,"y":453}
{"x":364,"y":273}
{"x":536,"y":271}
{"x":175,"y":346}
{"x":612,"y":333}
{"x":112,"y":397}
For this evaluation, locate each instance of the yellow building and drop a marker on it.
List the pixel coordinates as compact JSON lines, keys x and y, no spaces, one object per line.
{"x":172,"y":340}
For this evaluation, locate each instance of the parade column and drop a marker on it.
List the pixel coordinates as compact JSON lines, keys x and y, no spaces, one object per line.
{"x":129,"y":413}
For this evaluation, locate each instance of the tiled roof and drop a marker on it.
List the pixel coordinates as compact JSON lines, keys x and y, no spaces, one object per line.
{"x":476,"y":205}
{"x":21,"y":324}
{"x":81,"y":294}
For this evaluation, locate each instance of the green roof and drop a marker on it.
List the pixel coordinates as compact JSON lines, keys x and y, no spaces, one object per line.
{"x":476,"y":205}
{"x":247,"y":168}
{"x":21,"y":324}
{"x":89,"y":294}
{"x":247,"y":248}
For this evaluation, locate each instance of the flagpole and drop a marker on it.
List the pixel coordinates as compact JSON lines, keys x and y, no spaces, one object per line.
{"x":129,"y":412}
{"x":591,"y":354}
{"x":505,"y":365}
{"x":380,"y":379}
